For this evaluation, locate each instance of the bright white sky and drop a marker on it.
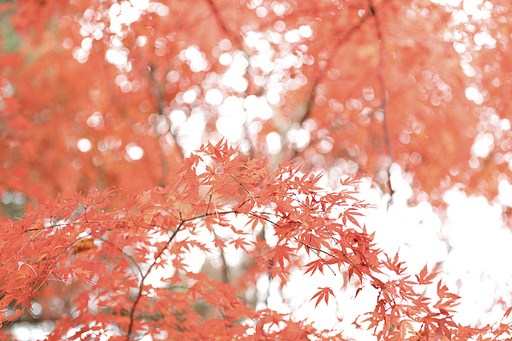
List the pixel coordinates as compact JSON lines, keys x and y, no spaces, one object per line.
{"x":476,"y":268}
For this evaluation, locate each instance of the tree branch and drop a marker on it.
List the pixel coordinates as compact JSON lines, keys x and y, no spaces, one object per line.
{"x":383,"y":104}
{"x":141,"y":285}
{"x":160,"y":111}
{"x":238,"y":41}
{"x":303,"y":115}
{"x":323,"y":70}
{"x":223,"y":26}
{"x":119,"y":104}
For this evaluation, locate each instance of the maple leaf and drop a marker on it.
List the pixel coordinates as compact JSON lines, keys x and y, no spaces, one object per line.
{"x":240,"y":243}
{"x":314,"y":266}
{"x":221,"y":244}
{"x":424,"y":277}
{"x":323,"y":294}
{"x":83,"y":274}
{"x":143,"y":197}
{"x":280,"y":254}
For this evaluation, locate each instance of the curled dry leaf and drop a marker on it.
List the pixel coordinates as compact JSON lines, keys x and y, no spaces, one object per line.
{"x":83,"y":245}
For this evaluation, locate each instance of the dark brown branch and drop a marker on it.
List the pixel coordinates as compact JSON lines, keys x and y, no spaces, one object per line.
{"x":323,"y":70}
{"x":159,"y":94}
{"x":223,"y":26}
{"x":306,"y":112}
{"x":383,"y":104}
{"x":141,"y":285}
{"x":238,"y":41}
{"x":120,"y":106}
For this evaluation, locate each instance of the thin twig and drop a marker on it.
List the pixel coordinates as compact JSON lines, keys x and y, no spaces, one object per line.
{"x":245,"y":188}
{"x":141,"y":285}
{"x":317,"y":252}
{"x":126,"y":255}
{"x":24,"y":246}
{"x":73,"y":223}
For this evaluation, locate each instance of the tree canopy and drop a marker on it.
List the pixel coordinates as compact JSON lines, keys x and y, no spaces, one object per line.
{"x":104,"y":103}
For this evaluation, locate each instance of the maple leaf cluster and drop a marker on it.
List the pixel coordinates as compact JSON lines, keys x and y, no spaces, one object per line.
{"x":107,"y":253}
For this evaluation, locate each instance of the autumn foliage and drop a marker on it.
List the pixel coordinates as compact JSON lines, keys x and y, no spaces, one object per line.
{"x":135,"y":135}
{"x":114,"y":245}
{"x":108,"y":252}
